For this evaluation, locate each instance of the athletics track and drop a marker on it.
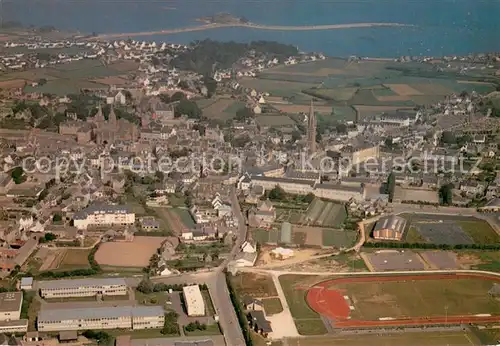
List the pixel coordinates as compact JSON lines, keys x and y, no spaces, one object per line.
{"x":332,"y":304}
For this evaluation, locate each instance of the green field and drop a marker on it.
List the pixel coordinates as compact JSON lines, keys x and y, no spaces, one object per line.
{"x":295,"y":287}
{"x":451,"y":338}
{"x":480,"y":231}
{"x":272,"y":306}
{"x":348,"y":83}
{"x":418,"y":298}
{"x":339,"y":238}
{"x":185,"y":216}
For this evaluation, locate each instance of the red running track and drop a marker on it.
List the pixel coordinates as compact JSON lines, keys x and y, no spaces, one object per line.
{"x":331,"y":303}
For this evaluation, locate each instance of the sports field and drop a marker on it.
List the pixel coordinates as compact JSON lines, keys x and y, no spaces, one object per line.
{"x":406,"y":300}
{"x":455,"y":338}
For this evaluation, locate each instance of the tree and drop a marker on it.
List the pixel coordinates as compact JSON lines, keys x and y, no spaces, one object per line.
{"x":309,"y":198}
{"x":243,"y":114}
{"x":145,"y":286}
{"x":179,"y":95}
{"x":446,"y":194}
{"x":42,"y":81}
{"x":211,"y":85}
{"x":57,"y":218}
{"x":448,"y":137}
{"x":390,"y":186}
{"x":296,"y":135}
{"x":17,"y":175}
{"x":341,"y":128}
{"x":189,"y":108}
{"x":277,"y":193}
{"x":50,"y":236}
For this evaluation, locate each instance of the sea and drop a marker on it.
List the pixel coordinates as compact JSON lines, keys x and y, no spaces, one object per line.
{"x":439,"y":27}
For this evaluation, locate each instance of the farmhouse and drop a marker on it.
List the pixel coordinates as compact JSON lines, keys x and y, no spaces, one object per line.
{"x":262,"y":216}
{"x":195,"y":304}
{"x":389,"y":228}
{"x":82,"y":288}
{"x":100,"y":215}
{"x":116,"y":317}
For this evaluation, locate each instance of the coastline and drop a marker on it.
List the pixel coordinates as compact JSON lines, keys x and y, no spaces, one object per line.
{"x":251,"y":26}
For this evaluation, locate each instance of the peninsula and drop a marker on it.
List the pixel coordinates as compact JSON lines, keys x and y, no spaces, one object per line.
{"x":248,"y":25}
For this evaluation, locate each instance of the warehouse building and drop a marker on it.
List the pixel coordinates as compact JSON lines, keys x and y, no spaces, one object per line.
{"x":82,"y":288}
{"x":117,"y":317}
{"x":194,"y":300}
{"x":389,"y":228}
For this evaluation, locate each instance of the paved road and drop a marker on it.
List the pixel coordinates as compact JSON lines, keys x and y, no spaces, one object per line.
{"x":218,"y":287}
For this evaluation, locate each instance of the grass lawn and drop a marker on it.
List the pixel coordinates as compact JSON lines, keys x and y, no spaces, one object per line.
{"x":339,"y":239}
{"x":455,"y":338}
{"x":310,"y":327}
{"x":258,"y":340}
{"x":254,"y":285}
{"x":354,"y":262}
{"x":413,"y":236}
{"x":33,"y":310}
{"x":295,"y":288}
{"x":212,"y":329}
{"x":417,"y":298}
{"x":209,"y":306}
{"x":155,"y":298}
{"x":480,"y":231}
{"x":490,"y":261}
{"x":272,"y":306}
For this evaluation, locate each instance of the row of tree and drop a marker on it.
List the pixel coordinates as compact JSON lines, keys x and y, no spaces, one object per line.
{"x":146,"y":286}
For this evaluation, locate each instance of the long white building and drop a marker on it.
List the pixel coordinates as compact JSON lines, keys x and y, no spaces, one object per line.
{"x":10,"y":312}
{"x":103,"y":215}
{"x":82,"y":288}
{"x":118,"y":317}
{"x":193,"y":298}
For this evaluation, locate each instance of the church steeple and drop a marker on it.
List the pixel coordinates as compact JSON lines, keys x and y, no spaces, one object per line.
{"x":112,"y":117}
{"x":311,"y":129}
{"x":99,"y":117}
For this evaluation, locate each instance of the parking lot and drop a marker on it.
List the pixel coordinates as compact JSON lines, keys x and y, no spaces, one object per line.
{"x":443,"y":233}
{"x":392,"y":260}
{"x":441,"y":259}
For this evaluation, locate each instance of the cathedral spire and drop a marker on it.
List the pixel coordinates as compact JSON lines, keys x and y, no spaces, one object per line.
{"x":311,"y":129}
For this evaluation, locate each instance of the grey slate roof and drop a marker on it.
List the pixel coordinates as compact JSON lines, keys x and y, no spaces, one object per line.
{"x":55,"y":284}
{"x":101,"y":312}
{"x":105,"y":209}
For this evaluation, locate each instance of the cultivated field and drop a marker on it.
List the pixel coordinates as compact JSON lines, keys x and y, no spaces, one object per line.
{"x":217,"y":109}
{"x":325,"y":213}
{"x":63,"y":259}
{"x":295,"y":109}
{"x":387,"y":85}
{"x":128,"y":254}
{"x":274,"y":120}
{"x":70,"y":78}
{"x":406,"y":300}
{"x":254,"y":285}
